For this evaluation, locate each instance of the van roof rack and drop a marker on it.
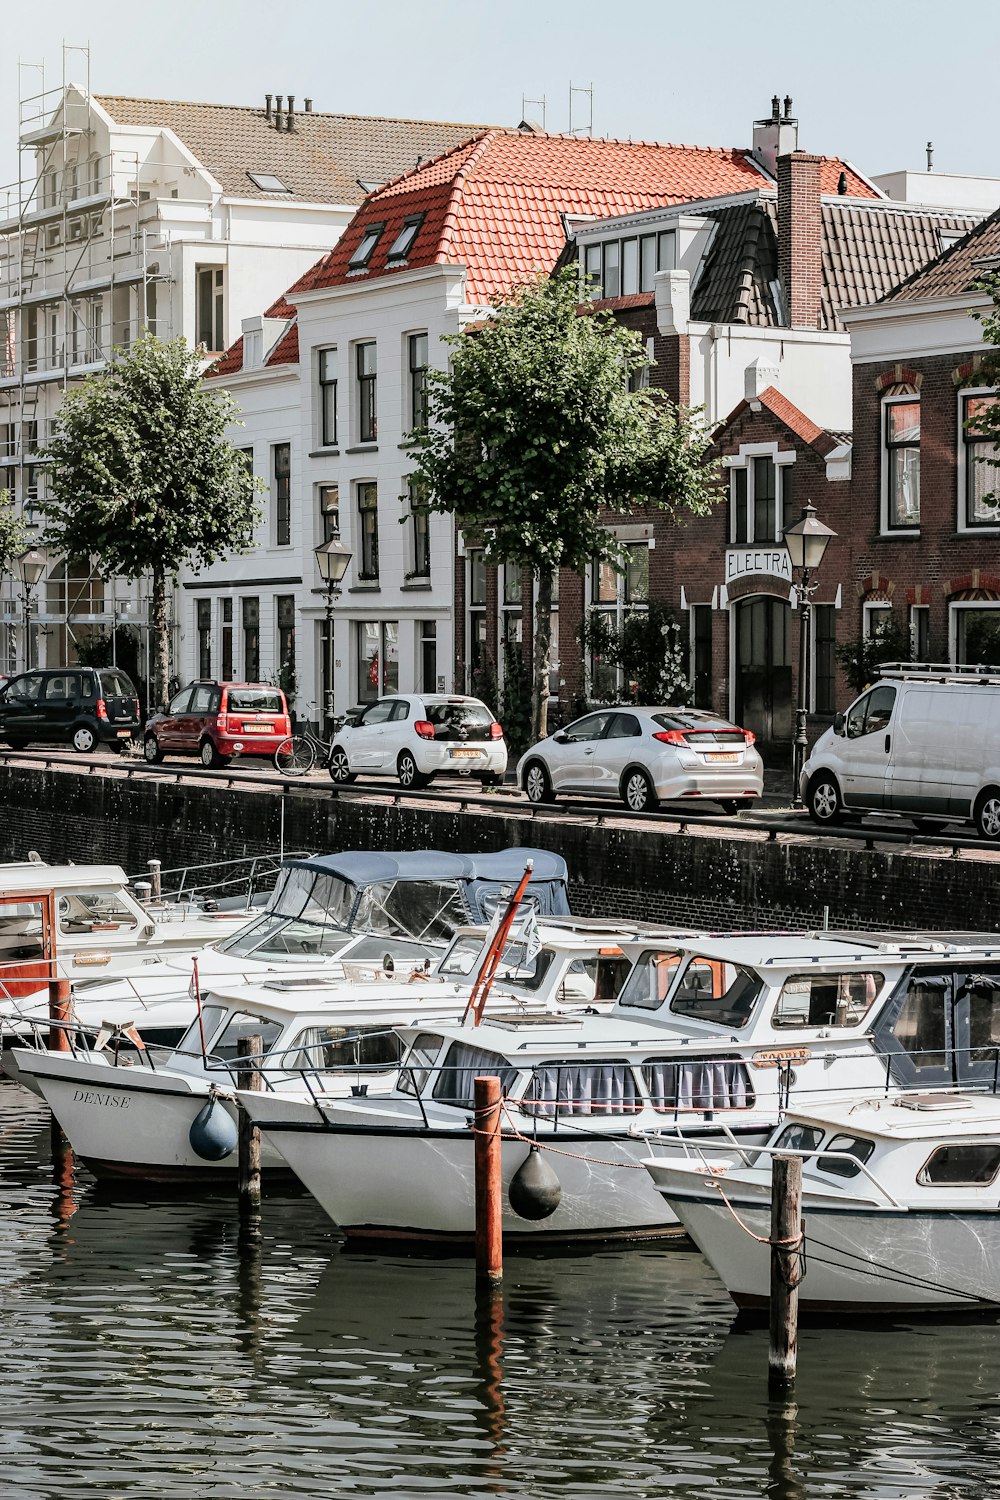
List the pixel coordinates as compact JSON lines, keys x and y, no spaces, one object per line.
{"x":931,"y":671}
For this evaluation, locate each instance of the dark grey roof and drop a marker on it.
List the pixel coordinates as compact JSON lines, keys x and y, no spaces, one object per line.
{"x":868,"y":248}
{"x":957,"y":270}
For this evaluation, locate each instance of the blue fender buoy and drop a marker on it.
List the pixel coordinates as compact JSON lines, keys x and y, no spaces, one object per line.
{"x":534,"y":1191}
{"x":213,"y":1132}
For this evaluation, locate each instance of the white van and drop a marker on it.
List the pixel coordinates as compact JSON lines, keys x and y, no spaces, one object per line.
{"x":923,"y":740}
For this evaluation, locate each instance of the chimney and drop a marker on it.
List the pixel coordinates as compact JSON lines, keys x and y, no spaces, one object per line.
{"x":279,"y":100}
{"x":800,"y":237}
{"x":775,"y":136}
{"x":267,"y":113}
{"x":308,"y":104}
{"x":290,"y":120}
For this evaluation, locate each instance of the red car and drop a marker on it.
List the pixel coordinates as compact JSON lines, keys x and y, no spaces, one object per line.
{"x":217,"y":721}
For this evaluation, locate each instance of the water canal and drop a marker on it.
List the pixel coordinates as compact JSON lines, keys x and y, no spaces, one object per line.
{"x":144,"y":1352}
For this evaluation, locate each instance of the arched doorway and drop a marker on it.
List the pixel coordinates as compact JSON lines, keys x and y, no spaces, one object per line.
{"x":764,"y":668}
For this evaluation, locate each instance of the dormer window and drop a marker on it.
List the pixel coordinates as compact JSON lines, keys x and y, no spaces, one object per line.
{"x":403,"y":243}
{"x":268,"y":183}
{"x":363,"y":254}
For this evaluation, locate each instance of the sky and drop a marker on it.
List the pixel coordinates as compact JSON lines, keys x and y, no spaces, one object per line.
{"x":871,"y":80}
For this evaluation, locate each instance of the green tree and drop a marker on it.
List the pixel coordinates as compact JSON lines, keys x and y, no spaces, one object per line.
{"x":648,"y":648}
{"x":534,"y":433}
{"x":144,"y":478}
{"x":985,"y":421}
{"x":861,"y":658}
{"x":13,"y":533}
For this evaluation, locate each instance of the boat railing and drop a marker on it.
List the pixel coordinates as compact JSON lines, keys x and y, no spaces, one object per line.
{"x":707,"y":1154}
{"x":251,"y":871}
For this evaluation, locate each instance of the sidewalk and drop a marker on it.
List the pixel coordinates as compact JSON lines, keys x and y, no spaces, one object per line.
{"x":777,"y":786}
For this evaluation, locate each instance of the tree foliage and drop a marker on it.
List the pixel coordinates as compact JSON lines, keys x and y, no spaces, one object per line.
{"x":533,"y":435}
{"x":986,"y":421}
{"x":144,"y":479}
{"x":861,"y":658}
{"x":648,"y":648}
{"x":13,"y":533}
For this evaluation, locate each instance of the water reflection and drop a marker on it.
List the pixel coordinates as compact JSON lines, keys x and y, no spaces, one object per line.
{"x":187,"y":1356}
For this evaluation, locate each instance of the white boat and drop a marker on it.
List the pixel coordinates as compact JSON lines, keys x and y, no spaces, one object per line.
{"x":708,"y":1036}
{"x":129,"y":1113}
{"x":899,"y":1202}
{"x":327,"y":913}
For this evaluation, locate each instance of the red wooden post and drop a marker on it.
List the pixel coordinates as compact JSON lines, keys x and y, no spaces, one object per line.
{"x":59,"y":1014}
{"x":489,"y":1198}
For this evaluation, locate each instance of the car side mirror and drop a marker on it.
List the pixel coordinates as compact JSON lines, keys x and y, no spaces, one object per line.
{"x":560,"y":738}
{"x":839,"y":722}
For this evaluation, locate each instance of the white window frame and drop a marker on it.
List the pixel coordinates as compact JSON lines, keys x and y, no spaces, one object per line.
{"x":783,"y":459}
{"x":983,"y":528}
{"x":895,"y":397}
{"x":954,"y":610}
{"x":918,"y":611}
{"x":871,"y":610}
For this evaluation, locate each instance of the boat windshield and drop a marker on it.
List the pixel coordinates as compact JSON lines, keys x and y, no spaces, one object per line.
{"x":190,"y":1043}
{"x":418,"y":1063}
{"x":700,"y":988}
{"x":242,"y":1023}
{"x":516,"y":967}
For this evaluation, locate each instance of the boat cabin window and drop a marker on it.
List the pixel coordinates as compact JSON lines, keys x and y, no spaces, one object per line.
{"x":418,"y":1063}
{"x":920,"y":1028}
{"x":607,"y":1087}
{"x":286,"y":940}
{"x":340,"y":1047}
{"x":697,"y":1083}
{"x":428,"y":910}
{"x":455,"y":1083}
{"x":725,"y":994}
{"x":465,"y":956}
{"x":799,"y":1138}
{"x":649,"y":982}
{"x":853,"y":1145}
{"x":211,"y":1020}
{"x":981,"y":991}
{"x":825,"y":999}
{"x":961,"y":1164}
{"x":241,"y":1024}
{"x":94,"y":911}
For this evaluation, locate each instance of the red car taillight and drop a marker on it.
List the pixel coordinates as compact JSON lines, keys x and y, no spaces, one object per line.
{"x":496,"y":731}
{"x":102,"y":709}
{"x":749,"y":736}
{"x":424,"y":729}
{"x":671,"y":737}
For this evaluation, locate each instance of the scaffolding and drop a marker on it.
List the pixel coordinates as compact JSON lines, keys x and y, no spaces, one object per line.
{"x":76,"y":280}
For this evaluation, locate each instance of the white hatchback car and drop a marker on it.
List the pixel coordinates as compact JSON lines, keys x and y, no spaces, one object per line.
{"x":645,"y":756}
{"x":416,"y":737}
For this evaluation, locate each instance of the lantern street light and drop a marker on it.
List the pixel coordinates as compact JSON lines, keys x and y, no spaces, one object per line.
{"x":31,"y":566}
{"x":333,"y":559}
{"x":806,"y":541}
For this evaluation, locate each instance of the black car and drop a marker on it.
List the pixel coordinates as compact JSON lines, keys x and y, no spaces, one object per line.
{"x":87,"y":706}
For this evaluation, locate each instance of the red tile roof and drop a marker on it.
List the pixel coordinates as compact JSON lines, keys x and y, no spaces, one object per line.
{"x":795,"y":420}
{"x":496,"y":204}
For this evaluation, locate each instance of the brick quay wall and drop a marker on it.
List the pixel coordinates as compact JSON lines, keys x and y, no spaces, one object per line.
{"x":700,"y":878}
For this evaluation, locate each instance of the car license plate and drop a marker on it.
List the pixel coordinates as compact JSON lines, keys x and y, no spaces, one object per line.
{"x":256,"y":728}
{"x":466,"y":754}
{"x":124,"y":734}
{"x":718,"y":755}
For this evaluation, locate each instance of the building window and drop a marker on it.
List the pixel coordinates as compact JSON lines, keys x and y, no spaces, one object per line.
{"x":31,"y":338}
{"x":476,"y":595}
{"x":203,"y":611}
{"x":403,"y":243}
{"x":616,"y":593}
{"x":977,"y":634}
{"x":701,"y":654}
{"x":368,"y":531}
{"x":363,"y":254}
{"x":52,"y":321}
{"x":428,"y":655}
{"x":619,"y":268}
{"x":982,"y":504}
{"x":329,"y":511}
{"x":210,"y":307}
{"x":420,"y":520}
{"x":281,"y":488}
{"x":417,"y":349}
{"x":95,"y":327}
{"x":227,"y":640}
{"x":121,"y":317}
{"x":367,"y":384}
{"x":920,"y":632}
{"x":284,"y":608}
{"x":824,"y":651}
{"x":251,"y":640}
{"x":378,"y":658}
{"x":328,"y":398}
{"x":901,"y":439}
{"x":876,"y":618}
{"x":759,"y":499}
{"x":510,"y":603}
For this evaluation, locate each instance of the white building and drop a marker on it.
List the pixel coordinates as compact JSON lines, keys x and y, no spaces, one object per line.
{"x":180,"y":218}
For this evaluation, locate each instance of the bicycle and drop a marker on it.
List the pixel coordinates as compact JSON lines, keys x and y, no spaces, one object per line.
{"x":297,"y":754}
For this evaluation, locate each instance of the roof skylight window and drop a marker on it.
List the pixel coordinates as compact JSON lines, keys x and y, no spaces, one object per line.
{"x":366,"y":248}
{"x":403,"y":243}
{"x":268,"y":183}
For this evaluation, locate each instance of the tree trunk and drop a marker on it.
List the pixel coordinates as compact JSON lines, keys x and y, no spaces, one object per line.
{"x":540,"y":668}
{"x":159,"y":691}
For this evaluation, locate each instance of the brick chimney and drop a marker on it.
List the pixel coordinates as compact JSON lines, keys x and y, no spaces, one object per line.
{"x":800,"y":229}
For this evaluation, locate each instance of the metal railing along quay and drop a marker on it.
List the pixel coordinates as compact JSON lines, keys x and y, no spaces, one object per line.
{"x":509,"y":801}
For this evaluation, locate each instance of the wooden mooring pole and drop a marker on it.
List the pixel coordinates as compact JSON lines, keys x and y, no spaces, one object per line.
{"x":249,"y":1051}
{"x":489,"y":1197}
{"x":786,"y":1271}
{"x":60,"y":1002}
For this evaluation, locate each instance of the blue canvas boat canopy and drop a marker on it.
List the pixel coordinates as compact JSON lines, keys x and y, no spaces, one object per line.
{"x":484,"y":879}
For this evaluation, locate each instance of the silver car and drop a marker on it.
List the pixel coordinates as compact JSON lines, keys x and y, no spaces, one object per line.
{"x":645,"y":756}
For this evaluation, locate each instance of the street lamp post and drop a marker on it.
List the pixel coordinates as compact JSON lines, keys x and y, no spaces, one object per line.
{"x":31,"y":566}
{"x":806,"y":541}
{"x":333,"y":560}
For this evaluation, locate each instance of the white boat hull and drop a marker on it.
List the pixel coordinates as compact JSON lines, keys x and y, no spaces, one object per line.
{"x":870,"y":1259}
